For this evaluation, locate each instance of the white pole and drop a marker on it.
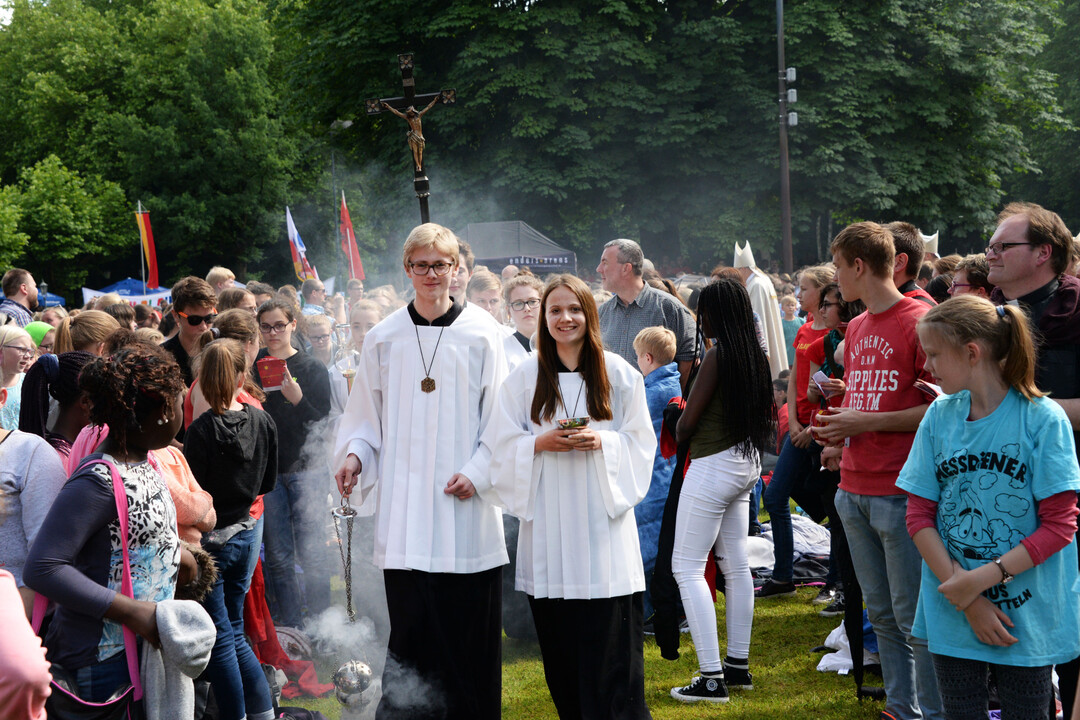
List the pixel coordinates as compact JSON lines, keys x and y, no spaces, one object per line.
{"x":142,"y":259}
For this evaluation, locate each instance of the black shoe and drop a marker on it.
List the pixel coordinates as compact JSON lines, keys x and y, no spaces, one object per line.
{"x":702,"y":689}
{"x":738,"y":678}
{"x":826,"y":596}
{"x":835,"y":608}
{"x":772,"y":589}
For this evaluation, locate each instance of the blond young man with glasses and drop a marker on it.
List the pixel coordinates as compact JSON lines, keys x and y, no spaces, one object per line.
{"x":423,"y":394}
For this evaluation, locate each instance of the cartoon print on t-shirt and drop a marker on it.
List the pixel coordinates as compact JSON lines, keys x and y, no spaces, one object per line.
{"x":970,"y":529}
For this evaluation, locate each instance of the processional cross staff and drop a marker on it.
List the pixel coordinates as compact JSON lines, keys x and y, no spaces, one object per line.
{"x":405,"y":108}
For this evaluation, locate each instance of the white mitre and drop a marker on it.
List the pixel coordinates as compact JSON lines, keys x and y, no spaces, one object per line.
{"x":744,"y":257}
{"x":930,"y":242}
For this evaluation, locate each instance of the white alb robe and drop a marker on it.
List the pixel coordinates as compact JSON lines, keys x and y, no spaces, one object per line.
{"x":410,"y":443}
{"x":515,"y":353}
{"x":764,"y":302}
{"x":578,"y":537}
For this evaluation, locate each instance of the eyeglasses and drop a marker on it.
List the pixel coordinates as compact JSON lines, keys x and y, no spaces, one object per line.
{"x":322,"y":290}
{"x":439,"y":268}
{"x":531,"y":303}
{"x":275,"y":329}
{"x":829,"y":305}
{"x":317,"y":338}
{"x":952,"y":288}
{"x":196,"y":320}
{"x":46,"y":348}
{"x":1000,"y":247}
{"x":24,"y":352}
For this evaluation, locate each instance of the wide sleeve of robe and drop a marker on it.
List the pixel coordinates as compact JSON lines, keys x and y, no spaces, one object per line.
{"x":624,"y":465}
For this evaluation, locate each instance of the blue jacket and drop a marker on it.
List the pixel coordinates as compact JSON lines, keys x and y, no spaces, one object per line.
{"x":661,"y":385}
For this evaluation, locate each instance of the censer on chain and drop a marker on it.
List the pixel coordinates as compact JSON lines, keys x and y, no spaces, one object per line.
{"x":354,"y":677}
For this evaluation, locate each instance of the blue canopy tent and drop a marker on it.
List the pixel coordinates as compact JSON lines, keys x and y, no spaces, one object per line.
{"x":47,"y":299}
{"x":132,"y":290}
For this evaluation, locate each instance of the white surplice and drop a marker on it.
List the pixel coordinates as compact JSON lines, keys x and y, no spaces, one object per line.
{"x":410,"y":443}
{"x":578,"y":537}
{"x":764,"y":302}
{"x":515,"y":353}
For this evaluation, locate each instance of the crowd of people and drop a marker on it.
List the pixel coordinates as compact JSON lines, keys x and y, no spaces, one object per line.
{"x":604,"y":445}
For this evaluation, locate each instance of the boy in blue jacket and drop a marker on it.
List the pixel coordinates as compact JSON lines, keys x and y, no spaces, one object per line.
{"x":655,"y":348}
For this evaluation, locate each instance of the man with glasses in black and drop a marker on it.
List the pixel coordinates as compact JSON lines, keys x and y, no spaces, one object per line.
{"x":194,"y":309}
{"x":1028,"y":256}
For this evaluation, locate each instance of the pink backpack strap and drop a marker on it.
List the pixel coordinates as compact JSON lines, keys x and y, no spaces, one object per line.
{"x":126,"y":586}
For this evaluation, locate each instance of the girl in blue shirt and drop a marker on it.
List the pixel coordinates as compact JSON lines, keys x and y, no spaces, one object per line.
{"x":992,"y":478}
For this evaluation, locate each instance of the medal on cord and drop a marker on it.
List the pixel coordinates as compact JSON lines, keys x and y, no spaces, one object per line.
{"x":428,"y":383}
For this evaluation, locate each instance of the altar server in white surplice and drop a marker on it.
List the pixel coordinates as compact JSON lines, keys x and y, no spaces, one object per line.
{"x":574,"y":490}
{"x":423,"y":394}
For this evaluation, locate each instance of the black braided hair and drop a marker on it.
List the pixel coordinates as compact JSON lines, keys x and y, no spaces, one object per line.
{"x":129,"y":388}
{"x":51,"y":375}
{"x":744,"y":380}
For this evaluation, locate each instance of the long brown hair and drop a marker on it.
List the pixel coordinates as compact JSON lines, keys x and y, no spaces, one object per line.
{"x":223,"y":364}
{"x":1003,"y":330}
{"x":591,"y":365}
{"x":234,"y":324}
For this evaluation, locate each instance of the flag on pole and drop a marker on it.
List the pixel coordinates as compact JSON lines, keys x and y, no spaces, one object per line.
{"x":348,"y":243}
{"x":299,"y":251}
{"x":146,"y":235}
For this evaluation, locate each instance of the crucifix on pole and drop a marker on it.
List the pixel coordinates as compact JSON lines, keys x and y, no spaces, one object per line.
{"x":405,"y":108}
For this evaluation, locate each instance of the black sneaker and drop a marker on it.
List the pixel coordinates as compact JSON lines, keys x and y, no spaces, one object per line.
{"x":773,"y":589}
{"x":826,"y":596}
{"x":836,"y":607}
{"x":702,"y":689}
{"x":738,"y":677}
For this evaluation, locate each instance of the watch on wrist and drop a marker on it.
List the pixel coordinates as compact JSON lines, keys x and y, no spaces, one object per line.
{"x":1006,"y":576}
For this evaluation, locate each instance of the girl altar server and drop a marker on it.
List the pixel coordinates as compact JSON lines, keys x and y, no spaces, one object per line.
{"x":572,"y":447}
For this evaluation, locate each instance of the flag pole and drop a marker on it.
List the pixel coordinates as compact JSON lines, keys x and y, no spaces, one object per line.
{"x":142,"y":259}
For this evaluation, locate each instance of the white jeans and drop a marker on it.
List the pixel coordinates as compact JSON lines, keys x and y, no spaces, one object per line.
{"x":714,"y":515}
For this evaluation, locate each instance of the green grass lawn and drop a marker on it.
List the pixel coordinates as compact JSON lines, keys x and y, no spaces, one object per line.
{"x":786,"y":681}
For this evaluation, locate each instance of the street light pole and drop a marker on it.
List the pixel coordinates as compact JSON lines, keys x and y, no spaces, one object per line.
{"x":784,"y":75}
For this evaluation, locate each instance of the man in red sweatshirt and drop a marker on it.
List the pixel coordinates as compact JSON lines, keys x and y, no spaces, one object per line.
{"x":870,"y":437}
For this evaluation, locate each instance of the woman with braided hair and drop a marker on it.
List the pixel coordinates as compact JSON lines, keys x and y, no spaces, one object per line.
{"x":76,"y":559}
{"x":728,"y":421}
{"x":56,"y":377}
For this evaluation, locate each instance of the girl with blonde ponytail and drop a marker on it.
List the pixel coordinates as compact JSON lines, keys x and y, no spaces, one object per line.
{"x":992,"y":480}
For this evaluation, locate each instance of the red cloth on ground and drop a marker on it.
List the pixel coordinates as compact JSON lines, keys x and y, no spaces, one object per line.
{"x":303,"y":679}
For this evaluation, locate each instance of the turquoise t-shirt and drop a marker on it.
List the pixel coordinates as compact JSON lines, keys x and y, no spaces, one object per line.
{"x":791,"y":329}
{"x":987,"y":476}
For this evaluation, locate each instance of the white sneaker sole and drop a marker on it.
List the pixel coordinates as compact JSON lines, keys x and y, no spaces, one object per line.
{"x":691,"y":699}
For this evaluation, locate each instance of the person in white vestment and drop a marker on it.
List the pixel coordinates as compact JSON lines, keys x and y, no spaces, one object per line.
{"x":522,"y":296}
{"x":728,"y":420}
{"x":574,"y":490}
{"x":423,"y":394}
{"x":765,"y":303}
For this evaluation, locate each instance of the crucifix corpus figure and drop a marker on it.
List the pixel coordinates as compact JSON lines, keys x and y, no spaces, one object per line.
{"x":405,"y":108}
{"x":416,"y":130}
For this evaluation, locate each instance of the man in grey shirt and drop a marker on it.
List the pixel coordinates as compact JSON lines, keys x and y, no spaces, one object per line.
{"x":636,"y":306}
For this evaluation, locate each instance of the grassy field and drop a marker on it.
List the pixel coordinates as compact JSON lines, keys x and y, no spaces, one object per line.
{"x":786,"y":681}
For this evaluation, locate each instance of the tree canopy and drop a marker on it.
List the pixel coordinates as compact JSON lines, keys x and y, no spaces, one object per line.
{"x":589,"y":119}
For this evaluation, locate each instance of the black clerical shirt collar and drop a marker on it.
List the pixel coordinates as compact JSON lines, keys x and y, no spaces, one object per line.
{"x":909,"y":286}
{"x":1037,"y":300}
{"x":443,"y":321}
{"x":560,"y":368}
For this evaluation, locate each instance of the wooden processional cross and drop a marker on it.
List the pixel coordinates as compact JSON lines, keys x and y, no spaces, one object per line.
{"x":405,"y":108}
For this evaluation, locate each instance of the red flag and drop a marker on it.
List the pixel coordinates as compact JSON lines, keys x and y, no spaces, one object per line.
{"x":146,"y":235}
{"x":348,"y":243}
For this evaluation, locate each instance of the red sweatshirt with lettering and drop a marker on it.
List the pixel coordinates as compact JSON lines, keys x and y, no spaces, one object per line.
{"x":883,"y":359}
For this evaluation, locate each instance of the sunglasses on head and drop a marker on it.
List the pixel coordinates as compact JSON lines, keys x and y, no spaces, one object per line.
{"x":196,"y":320}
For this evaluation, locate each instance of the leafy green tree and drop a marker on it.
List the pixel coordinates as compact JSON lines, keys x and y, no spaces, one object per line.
{"x":12,"y":241}
{"x":73,"y":223}
{"x":658,"y":120}
{"x":169,"y":98}
{"x":1053,"y":184}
